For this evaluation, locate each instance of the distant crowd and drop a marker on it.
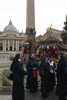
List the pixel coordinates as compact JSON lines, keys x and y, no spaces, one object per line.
{"x":46,"y":70}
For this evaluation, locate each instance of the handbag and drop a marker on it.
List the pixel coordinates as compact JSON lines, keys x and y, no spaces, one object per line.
{"x":43,"y":73}
{"x":10,"y":76}
{"x":35,"y":74}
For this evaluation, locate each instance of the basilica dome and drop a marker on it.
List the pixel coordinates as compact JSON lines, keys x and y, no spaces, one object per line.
{"x":10,"y":27}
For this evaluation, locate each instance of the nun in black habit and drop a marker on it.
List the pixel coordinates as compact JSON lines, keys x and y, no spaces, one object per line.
{"x":41,"y":66}
{"x":32,"y":67}
{"x":42,"y":61}
{"x":18,"y":78}
{"x":45,"y":79}
{"x":61,"y":82}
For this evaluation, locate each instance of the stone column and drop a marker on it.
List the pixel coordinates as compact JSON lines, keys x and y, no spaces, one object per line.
{"x":8,"y":46}
{"x":5,"y":45}
{"x":13,"y":45}
{"x":22,"y":48}
{"x":16,"y":45}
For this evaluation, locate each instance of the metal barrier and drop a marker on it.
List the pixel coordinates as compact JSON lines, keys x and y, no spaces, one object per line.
{"x":4,"y":76}
{"x":1,"y":87}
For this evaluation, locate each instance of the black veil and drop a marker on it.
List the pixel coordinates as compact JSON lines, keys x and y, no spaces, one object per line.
{"x":15,"y":61}
{"x":62,"y":61}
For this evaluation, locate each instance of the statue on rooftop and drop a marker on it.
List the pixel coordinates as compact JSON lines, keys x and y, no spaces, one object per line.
{"x":49,"y":29}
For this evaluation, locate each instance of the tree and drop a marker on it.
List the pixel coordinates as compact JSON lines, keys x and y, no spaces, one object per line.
{"x":64,"y":32}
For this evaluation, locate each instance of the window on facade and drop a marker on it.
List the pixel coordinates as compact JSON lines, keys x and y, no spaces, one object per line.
{"x":19,"y":42}
{"x":10,"y":48}
{"x":1,"y":48}
{"x":6,"y":49}
{"x":1,"y":41}
{"x":19,"y":48}
{"x":10,"y":41}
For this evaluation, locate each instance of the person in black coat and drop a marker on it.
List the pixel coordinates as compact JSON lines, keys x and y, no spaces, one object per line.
{"x":42,"y":61}
{"x":32,"y":66}
{"x":52,"y":66}
{"x":41,"y":64}
{"x":61,"y":83}
{"x":66,"y":75}
{"x":45,"y":80}
{"x":18,"y":78}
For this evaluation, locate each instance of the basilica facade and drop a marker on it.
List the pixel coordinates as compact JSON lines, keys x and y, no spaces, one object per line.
{"x":11,"y":41}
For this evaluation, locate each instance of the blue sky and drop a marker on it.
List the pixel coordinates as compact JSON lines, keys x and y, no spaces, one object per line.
{"x":46,"y":12}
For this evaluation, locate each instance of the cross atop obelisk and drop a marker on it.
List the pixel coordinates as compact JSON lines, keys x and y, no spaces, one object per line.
{"x":30,"y":21}
{"x":30,"y":17}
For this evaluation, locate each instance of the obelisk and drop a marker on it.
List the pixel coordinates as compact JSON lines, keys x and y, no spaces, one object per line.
{"x":30,"y":20}
{"x":30,"y":17}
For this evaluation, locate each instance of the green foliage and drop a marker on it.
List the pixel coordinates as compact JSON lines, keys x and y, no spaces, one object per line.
{"x":64,"y":32}
{"x":64,"y":37}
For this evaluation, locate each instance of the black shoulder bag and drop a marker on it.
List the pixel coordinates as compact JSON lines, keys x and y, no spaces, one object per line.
{"x":10,"y":76}
{"x":43,"y":73}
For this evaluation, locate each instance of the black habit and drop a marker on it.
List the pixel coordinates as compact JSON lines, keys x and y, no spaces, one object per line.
{"x":45,"y":80}
{"x":18,"y":79}
{"x":61,"y":83}
{"x":31,"y":81}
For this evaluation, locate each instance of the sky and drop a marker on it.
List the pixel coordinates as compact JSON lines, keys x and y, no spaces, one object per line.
{"x":46,"y":12}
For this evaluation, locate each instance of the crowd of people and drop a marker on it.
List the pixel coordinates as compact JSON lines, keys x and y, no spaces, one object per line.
{"x":47,"y":71}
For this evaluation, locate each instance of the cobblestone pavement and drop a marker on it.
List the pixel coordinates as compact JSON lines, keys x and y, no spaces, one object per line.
{"x":7,"y":95}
